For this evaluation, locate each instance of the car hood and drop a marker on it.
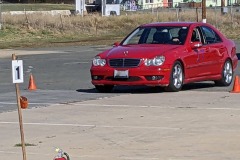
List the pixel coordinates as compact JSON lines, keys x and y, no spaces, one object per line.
{"x":139,"y":51}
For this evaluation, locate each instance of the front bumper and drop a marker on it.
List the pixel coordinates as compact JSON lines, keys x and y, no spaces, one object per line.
{"x":148,"y":76}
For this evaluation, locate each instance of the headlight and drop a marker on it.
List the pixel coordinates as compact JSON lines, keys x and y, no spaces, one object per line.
{"x":97,"y":61}
{"x":157,"y":61}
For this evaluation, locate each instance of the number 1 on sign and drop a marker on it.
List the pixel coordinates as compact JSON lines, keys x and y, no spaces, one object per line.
{"x":17,"y":71}
{"x":17,"y":76}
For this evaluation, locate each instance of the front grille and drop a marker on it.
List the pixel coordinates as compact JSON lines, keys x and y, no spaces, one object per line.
{"x":124,"y":62}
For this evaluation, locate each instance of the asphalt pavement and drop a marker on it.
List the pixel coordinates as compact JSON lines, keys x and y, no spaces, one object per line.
{"x":139,"y":123}
{"x":62,"y":75}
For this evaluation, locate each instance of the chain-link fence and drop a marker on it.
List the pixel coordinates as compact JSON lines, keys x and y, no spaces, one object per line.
{"x":215,"y":15}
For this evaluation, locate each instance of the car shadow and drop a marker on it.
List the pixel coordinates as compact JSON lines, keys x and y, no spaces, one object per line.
{"x":92,"y":90}
{"x":137,"y":89}
{"x":147,"y":89}
{"x":198,"y":85}
{"x":127,"y":89}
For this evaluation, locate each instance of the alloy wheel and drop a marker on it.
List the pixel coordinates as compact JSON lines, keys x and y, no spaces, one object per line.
{"x":228,"y":72}
{"x":177,"y":76}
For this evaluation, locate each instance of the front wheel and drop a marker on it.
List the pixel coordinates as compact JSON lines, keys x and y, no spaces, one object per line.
{"x":176,"y":78}
{"x":227,"y":74}
{"x":104,"y":88}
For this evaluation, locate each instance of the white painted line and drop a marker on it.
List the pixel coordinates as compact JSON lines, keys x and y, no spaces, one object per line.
{"x":116,"y":105}
{"x":116,"y":156}
{"x":75,"y":63}
{"x":93,"y":125}
{"x":7,"y":103}
{"x":87,"y":50}
{"x":5,"y":69}
{"x":151,"y":106}
{"x":139,"y":158}
{"x":9,"y":152}
{"x":28,"y":103}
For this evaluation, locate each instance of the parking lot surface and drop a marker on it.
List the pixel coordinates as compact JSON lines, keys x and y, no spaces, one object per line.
{"x":199,"y":123}
{"x":188,"y":125}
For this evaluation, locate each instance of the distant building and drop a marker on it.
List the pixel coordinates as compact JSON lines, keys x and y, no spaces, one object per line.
{"x":147,"y":4}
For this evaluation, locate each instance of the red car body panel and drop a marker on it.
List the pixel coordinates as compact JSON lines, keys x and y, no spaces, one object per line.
{"x":200,"y":64}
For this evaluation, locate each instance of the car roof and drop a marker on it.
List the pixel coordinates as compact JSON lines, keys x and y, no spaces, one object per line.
{"x":156,"y":24}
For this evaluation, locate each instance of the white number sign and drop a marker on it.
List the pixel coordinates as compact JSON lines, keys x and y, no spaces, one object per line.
{"x":17,"y":71}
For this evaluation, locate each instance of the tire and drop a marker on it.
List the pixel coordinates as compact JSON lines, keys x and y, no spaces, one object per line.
{"x":176,"y":78}
{"x":104,"y":88}
{"x":227,"y":74}
{"x":68,"y":158}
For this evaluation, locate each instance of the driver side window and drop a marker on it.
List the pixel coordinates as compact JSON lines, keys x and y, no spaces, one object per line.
{"x":210,"y":35}
{"x":196,"y":35}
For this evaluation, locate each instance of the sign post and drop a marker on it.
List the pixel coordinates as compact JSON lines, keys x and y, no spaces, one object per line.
{"x":204,"y":12}
{"x":17,"y":74}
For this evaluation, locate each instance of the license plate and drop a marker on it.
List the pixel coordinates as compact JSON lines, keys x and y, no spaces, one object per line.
{"x":120,"y":74}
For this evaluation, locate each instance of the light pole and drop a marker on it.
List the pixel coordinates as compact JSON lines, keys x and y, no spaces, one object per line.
{"x":222,"y":6}
{"x":0,"y":14}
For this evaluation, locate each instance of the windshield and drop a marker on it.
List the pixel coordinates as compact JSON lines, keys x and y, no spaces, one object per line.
{"x":157,"y":35}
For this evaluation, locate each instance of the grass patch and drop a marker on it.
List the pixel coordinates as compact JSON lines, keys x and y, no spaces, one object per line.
{"x":36,"y":7}
{"x":26,"y":144}
{"x":46,"y":30}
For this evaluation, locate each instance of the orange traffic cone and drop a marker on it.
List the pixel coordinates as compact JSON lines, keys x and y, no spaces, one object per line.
{"x":32,"y":85}
{"x":236,"y":86}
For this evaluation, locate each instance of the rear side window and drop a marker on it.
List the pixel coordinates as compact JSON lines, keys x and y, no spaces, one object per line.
{"x":210,"y":36}
{"x":174,"y":32}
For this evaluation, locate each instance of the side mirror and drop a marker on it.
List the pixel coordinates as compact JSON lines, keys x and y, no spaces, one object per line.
{"x":116,"y":44}
{"x":196,"y":45}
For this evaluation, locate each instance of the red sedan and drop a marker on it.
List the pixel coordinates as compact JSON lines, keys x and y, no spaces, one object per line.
{"x":166,"y":54}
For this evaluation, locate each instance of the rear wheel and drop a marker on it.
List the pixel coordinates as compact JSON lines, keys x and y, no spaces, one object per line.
{"x":176,"y":78}
{"x":104,"y":88}
{"x":227,"y":74}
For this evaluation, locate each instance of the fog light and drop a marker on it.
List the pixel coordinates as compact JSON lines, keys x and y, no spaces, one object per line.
{"x":154,"y":78}
{"x":98,"y":77}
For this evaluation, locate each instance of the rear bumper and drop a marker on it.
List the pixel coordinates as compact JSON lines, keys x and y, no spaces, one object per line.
{"x":148,"y":76}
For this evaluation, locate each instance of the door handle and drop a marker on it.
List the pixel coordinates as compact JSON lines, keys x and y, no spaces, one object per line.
{"x":207,"y":50}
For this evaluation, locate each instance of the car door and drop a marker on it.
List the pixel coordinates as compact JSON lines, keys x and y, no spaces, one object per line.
{"x":212,"y":52}
{"x":193,"y":59}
